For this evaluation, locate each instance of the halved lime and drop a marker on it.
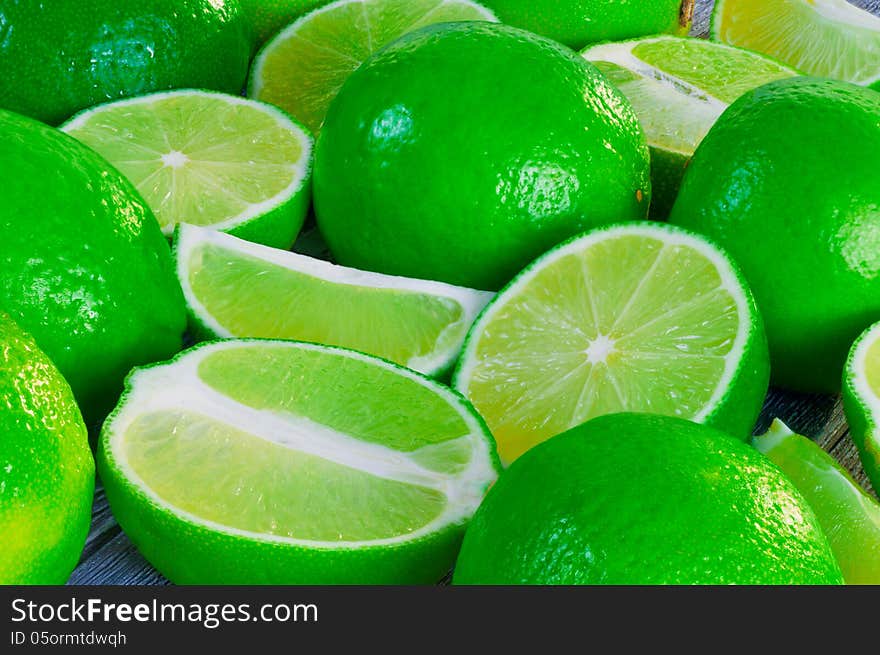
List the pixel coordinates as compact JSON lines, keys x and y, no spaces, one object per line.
{"x":849,"y":517}
{"x":828,"y":38}
{"x":234,"y":288}
{"x":302,"y":69}
{"x":679,"y":87}
{"x":249,"y":462}
{"x":206,"y":158}
{"x":861,"y":399}
{"x":635,"y":317}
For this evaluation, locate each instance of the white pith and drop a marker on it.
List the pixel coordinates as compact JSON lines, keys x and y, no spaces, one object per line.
{"x":846,"y":13}
{"x":257,"y":83}
{"x":669,"y":237}
{"x":298,"y":169}
{"x":859,"y":377}
{"x":176,"y":387}
{"x":470,"y":301}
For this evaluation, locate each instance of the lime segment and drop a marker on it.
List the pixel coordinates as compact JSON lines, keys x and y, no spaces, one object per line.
{"x":861,"y":399}
{"x":827,"y":38}
{"x":849,"y":517}
{"x":630,"y":318}
{"x":207,"y":159}
{"x":302,"y":69}
{"x":235,"y":288}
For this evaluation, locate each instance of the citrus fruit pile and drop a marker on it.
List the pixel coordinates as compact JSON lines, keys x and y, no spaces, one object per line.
{"x":365,"y":291}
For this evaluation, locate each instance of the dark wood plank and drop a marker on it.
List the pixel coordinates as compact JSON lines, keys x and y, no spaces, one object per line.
{"x":110,"y":558}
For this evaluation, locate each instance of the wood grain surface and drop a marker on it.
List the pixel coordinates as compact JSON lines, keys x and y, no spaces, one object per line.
{"x":110,"y":558}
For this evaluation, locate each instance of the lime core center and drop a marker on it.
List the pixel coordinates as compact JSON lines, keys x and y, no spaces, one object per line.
{"x":599,"y":349}
{"x":174,"y":159}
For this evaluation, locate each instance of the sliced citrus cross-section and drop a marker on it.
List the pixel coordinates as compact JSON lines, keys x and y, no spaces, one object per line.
{"x":247,"y":461}
{"x":234,"y":288}
{"x":636,"y":317}
{"x":861,"y":399}
{"x":828,"y":38}
{"x":206,"y":158}
{"x":679,"y":87}
{"x":302,"y":69}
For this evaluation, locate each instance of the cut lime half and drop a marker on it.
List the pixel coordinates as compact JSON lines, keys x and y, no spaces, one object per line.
{"x":631,"y":318}
{"x":828,"y":38}
{"x":679,"y":87}
{"x":234,"y":288}
{"x":210,"y":159}
{"x":848,"y":515}
{"x":861,"y":399}
{"x":302,"y":69}
{"x":248,"y":462}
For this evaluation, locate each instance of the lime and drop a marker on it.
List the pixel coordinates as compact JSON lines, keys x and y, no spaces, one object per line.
{"x":248,"y":462}
{"x":861,"y":399}
{"x":634,"y":499}
{"x":679,"y":87}
{"x":579,"y":22}
{"x":46,"y":468}
{"x":269,"y":16}
{"x":208,"y":159}
{"x":638,"y":317}
{"x":786,"y":181}
{"x":303,"y":68}
{"x":238,"y":289}
{"x":57,"y":58}
{"x":85,"y":268}
{"x":462,"y":151}
{"x":849,"y":517}
{"x":829,"y":38}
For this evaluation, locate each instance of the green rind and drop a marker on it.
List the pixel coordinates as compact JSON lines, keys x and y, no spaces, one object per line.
{"x":190,"y":554}
{"x":738,"y":411}
{"x":667,"y":171}
{"x":863,"y":426}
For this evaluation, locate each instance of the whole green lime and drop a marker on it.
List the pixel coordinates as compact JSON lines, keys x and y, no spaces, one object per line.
{"x":642,"y":499}
{"x":787,"y":181}
{"x":84,"y":266}
{"x":46,"y":468}
{"x":464,"y":150}
{"x":268,"y":17}
{"x":57,"y":58}
{"x":577,"y":23}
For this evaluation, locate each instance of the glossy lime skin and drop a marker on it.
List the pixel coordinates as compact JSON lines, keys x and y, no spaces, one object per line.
{"x":577,"y":23}
{"x":268,"y":17}
{"x":57,"y":58}
{"x":84,"y":266}
{"x":639,"y":499}
{"x":463,"y":151}
{"x":787,"y":182}
{"x":46,"y":467}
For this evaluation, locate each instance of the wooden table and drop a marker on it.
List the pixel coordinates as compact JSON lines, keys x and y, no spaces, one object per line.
{"x":110,"y":558}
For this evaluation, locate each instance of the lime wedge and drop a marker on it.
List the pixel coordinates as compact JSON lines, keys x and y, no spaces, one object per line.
{"x":679,"y":87}
{"x":247,"y":462}
{"x":205,"y":158}
{"x":849,"y":517}
{"x":861,"y":399}
{"x":302,"y":69}
{"x":828,"y":38}
{"x":234,"y":288}
{"x":636,"y":317}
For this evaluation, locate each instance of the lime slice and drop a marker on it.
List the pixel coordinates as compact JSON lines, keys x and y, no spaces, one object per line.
{"x":234,"y":288}
{"x":302,"y":69}
{"x":861,"y":400}
{"x":829,"y":38}
{"x":245,"y":462}
{"x":849,"y":517}
{"x":636,"y":317}
{"x":205,"y":158}
{"x":679,"y":87}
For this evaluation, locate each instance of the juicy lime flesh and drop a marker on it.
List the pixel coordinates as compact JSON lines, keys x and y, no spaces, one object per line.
{"x":197,"y":158}
{"x":398,"y":325}
{"x":251,"y":483}
{"x":828,"y":38}
{"x":303,"y":71}
{"x":849,"y":517}
{"x":630,"y":323}
{"x":872,"y":367}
